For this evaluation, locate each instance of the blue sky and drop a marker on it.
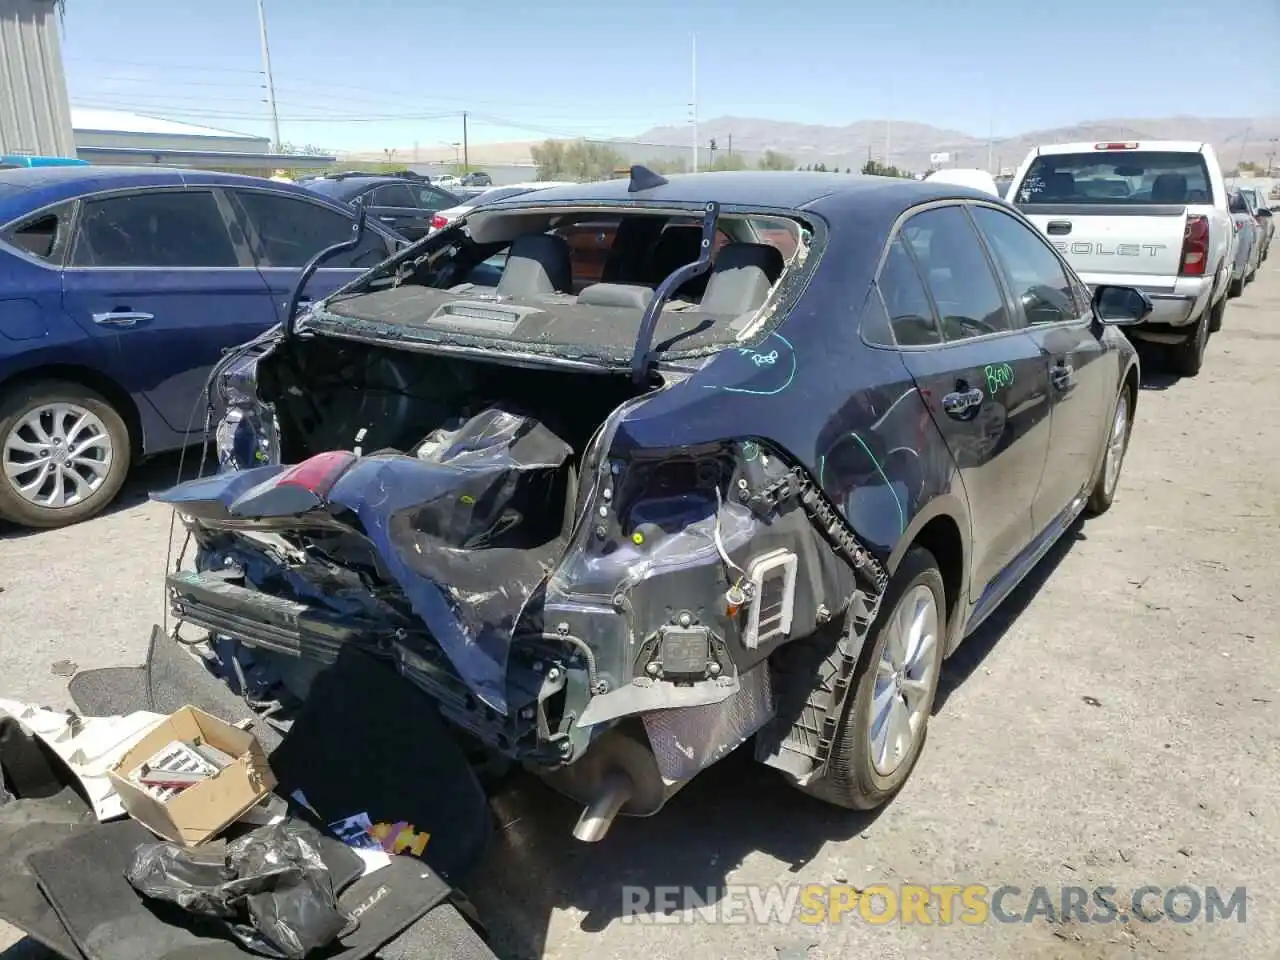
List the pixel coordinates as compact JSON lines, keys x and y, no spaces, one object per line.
{"x":373,"y":74}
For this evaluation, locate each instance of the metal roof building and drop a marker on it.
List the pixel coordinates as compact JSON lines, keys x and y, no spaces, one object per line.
{"x":114,"y":136}
{"x":35,"y":117}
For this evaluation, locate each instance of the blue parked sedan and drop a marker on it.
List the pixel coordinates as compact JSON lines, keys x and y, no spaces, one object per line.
{"x":119,"y":289}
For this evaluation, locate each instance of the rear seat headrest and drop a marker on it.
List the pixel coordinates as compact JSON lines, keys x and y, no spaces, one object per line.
{"x":741,"y":278}
{"x":537,"y":263}
{"x":1169,"y":188}
{"x":616,"y":295}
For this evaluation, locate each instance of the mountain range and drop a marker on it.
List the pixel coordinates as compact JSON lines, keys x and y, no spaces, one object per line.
{"x":909,"y":145}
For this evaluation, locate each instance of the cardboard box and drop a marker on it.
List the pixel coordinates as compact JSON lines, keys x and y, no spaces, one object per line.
{"x":200,"y":812}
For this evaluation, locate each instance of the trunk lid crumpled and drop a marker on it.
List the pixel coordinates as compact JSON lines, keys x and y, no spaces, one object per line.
{"x":469,"y":528}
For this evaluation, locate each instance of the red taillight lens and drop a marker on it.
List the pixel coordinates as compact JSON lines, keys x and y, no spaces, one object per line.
{"x":319,"y":473}
{"x":1236,"y":224}
{"x":1195,"y":246}
{"x":438,"y":222}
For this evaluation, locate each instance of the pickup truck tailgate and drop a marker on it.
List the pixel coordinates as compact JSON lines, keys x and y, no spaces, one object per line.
{"x":1128,"y":244}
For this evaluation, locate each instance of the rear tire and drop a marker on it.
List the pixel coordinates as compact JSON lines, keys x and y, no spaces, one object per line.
{"x":1188,"y":357}
{"x":1114,"y":446}
{"x":1236,"y":287}
{"x":913,"y":618}
{"x":74,"y":441}
{"x":1216,"y":314}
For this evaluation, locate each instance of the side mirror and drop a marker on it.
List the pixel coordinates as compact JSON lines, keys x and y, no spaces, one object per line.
{"x":1121,"y":306}
{"x":1264,"y":212}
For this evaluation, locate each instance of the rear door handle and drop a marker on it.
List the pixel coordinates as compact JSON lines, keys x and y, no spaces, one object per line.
{"x":1058,"y":228}
{"x":121,"y":318}
{"x":962,"y":403}
{"x":1064,"y":375}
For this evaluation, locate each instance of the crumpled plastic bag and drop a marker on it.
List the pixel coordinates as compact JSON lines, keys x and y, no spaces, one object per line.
{"x":270,"y":890}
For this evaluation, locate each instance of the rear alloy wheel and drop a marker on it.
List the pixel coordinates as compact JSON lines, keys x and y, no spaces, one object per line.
{"x":1117,"y":443}
{"x":893,"y":689}
{"x":64,"y":453}
{"x":1188,"y":356}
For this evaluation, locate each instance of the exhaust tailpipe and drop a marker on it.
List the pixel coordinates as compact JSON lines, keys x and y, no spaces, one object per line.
{"x":598,"y":815}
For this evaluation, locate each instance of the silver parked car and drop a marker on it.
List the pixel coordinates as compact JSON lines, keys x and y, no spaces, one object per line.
{"x":1262,"y":213}
{"x":1246,"y":238}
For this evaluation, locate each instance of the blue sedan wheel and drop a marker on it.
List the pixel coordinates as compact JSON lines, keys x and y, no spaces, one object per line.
{"x":64,"y":454}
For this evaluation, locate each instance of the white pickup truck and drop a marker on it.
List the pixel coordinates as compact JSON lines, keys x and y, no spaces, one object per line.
{"x":1148,"y":214}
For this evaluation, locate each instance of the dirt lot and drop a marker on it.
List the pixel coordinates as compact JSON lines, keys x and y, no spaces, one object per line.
{"x":1119,"y":725}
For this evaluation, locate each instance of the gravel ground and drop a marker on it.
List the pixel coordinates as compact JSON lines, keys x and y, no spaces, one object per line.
{"x":1116,"y":725}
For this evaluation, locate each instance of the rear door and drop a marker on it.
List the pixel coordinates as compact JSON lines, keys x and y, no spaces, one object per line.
{"x":285,"y":231}
{"x":983,"y":379}
{"x":157,"y":277}
{"x":407,"y":208}
{"x":1083,"y":374}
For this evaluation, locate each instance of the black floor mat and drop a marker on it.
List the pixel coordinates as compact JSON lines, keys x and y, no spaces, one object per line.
{"x":84,"y":881}
{"x":367,"y":741}
{"x":170,"y":679}
{"x":28,"y":827}
{"x":31,"y":770}
{"x":110,"y":691}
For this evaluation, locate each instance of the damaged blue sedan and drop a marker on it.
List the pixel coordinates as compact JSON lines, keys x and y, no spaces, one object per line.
{"x":626,"y":474}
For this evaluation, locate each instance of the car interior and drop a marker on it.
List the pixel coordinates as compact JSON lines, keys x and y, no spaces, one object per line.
{"x":532,"y":284}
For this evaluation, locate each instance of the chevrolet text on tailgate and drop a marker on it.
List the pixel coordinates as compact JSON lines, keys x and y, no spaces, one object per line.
{"x":1149,"y":214}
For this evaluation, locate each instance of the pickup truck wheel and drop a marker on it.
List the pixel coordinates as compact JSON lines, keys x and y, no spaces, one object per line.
{"x":893,"y":688}
{"x":1217,"y":313}
{"x":1188,"y":356}
{"x":1115,"y":444}
{"x":65,"y":454}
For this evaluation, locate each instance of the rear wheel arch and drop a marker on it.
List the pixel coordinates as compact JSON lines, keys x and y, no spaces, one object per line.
{"x":1132,"y":382}
{"x":937,"y":529}
{"x":116,"y":395}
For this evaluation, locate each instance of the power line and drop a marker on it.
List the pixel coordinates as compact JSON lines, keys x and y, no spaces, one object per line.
{"x":183,"y":65}
{"x":529,"y":128}
{"x":220,"y":115}
{"x":328,"y":87}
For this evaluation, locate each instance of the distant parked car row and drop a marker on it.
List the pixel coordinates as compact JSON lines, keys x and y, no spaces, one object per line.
{"x":405,"y":204}
{"x":122,"y":287}
{"x":445,"y":217}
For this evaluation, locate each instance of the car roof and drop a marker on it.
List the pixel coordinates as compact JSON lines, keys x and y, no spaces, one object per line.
{"x":1140,"y":146}
{"x":782,"y":190}
{"x":350,"y":185}
{"x":30,"y":188}
{"x":966,"y":177}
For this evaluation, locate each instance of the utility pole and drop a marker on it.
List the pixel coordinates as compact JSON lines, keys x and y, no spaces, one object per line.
{"x":266,"y":67}
{"x":466,"y":159}
{"x":991,"y":145}
{"x":1244,"y":142}
{"x":1271,"y":154}
{"x":694,"y":90}
{"x":888,"y":141}
{"x":731,"y":144}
